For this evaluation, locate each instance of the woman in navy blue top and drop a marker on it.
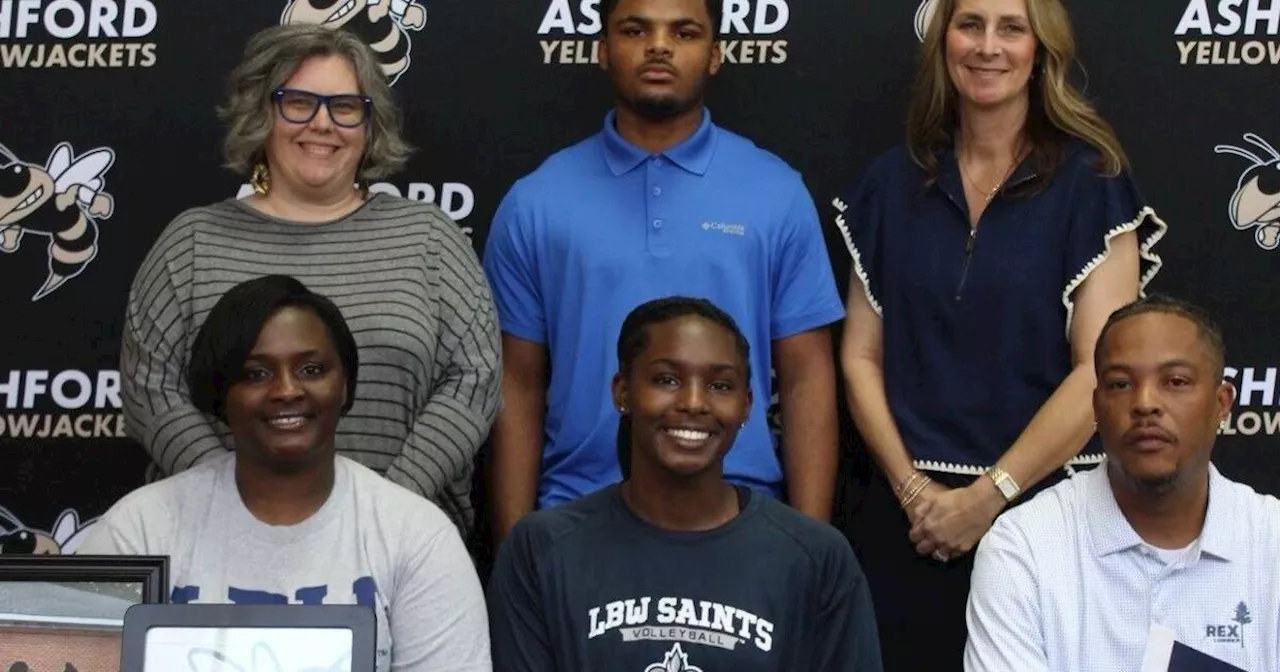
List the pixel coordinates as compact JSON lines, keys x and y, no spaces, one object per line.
{"x":988,"y":251}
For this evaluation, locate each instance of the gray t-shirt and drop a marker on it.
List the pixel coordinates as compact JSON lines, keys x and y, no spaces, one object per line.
{"x":371,"y":543}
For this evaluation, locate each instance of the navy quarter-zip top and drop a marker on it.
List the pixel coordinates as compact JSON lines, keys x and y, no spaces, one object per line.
{"x":976,"y":319}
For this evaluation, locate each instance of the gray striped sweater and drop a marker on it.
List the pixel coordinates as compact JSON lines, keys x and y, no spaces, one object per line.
{"x":412,"y":291}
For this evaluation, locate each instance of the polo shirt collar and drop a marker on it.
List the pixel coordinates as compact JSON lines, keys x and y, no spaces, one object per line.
{"x":693,"y":154}
{"x":1112,"y":533}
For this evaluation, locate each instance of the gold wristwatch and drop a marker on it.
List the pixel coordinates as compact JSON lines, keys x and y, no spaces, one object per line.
{"x":1004,"y":483}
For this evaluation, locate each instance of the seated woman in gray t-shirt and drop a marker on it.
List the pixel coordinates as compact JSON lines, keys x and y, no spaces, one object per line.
{"x":285,"y":520}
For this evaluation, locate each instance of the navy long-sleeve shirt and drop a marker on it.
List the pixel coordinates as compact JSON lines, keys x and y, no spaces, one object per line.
{"x":590,"y":586}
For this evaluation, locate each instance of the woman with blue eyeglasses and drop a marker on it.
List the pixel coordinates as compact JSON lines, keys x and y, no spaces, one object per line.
{"x":310,"y":121}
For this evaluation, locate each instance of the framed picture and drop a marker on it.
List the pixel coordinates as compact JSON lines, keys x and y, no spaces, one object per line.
{"x":65,"y":613}
{"x":248,"y":637}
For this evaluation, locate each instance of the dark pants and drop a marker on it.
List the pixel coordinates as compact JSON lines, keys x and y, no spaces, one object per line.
{"x":919,"y":602}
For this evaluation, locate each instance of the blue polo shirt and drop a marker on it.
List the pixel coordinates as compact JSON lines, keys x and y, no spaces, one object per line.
{"x":603,"y":226}
{"x":976,"y":331}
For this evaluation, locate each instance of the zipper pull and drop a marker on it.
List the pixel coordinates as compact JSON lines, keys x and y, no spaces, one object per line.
{"x":969,"y":243}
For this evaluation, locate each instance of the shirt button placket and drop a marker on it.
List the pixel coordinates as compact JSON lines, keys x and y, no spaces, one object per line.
{"x":653,"y":203}
{"x":1155,"y":595}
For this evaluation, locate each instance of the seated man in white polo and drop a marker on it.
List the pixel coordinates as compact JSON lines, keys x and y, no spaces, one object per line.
{"x":1155,"y":540}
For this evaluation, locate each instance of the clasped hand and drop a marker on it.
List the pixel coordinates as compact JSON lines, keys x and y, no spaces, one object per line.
{"x":947,"y":523}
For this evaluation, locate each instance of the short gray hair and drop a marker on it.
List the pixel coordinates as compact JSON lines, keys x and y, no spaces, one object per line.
{"x":270,"y":59}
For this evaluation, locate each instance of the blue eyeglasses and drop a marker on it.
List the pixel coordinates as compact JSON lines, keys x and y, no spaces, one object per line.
{"x":300,"y":107}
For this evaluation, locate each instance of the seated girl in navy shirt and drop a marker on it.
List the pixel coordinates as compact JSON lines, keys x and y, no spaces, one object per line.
{"x":675,"y":568}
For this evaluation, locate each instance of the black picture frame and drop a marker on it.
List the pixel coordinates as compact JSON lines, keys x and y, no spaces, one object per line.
{"x":263,"y":620}
{"x":152,"y":571}
{"x":66,"y":612}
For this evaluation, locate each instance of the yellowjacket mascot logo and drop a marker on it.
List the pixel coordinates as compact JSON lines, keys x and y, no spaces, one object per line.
{"x":384,"y":25}
{"x":61,"y":201}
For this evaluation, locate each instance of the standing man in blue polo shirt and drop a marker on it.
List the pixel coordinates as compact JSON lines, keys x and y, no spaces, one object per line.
{"x":661,"y":201}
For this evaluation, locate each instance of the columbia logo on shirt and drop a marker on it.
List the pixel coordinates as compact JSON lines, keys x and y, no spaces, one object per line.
{"x":724,"y":227}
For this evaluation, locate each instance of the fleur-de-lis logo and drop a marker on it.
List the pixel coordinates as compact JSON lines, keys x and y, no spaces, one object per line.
{"x":676,"y":660}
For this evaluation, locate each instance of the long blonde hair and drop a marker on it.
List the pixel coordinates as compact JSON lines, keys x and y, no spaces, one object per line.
{"x":1056,"y":108}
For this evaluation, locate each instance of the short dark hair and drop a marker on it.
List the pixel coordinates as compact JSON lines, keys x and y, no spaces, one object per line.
{"x":715,"y":10}
{"x":633,"y":338}
{"x":230,"y":331}
{"x":1206,"y":328}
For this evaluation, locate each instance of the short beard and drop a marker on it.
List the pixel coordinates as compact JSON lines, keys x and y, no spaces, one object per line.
{"x":658,"y":109}
{"x":1149,"y":487}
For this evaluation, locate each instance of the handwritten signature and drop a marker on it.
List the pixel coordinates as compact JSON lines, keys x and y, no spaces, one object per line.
{"x":264,"y":659}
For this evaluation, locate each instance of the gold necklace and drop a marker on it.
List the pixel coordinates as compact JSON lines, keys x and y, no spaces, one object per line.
{"x":992,"y":193}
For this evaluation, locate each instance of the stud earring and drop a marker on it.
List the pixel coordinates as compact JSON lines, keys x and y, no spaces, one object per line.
{"x":261,"y":179}
{"x":622,"y":410}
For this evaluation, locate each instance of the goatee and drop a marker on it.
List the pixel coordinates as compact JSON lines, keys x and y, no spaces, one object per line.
{"x":1149,"y":486}
{"x":659,"y":108}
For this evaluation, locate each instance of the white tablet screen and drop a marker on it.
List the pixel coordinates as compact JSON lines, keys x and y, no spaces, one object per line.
{"x":237,"y":649}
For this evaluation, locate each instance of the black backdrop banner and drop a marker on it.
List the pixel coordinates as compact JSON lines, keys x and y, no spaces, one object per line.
{"x":119,"y":96}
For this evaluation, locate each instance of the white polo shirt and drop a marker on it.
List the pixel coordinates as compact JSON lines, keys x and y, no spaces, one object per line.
{"x":1064,"y":583}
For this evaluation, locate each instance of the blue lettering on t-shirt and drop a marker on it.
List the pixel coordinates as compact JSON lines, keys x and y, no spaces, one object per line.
{"x":313,"y":595}
{"x":184,"y":594}
{"x":242,"y":596}
{"x":365,"y":590}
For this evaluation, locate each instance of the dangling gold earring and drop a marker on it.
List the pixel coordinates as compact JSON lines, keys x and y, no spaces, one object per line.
{"x":261,"y":179}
